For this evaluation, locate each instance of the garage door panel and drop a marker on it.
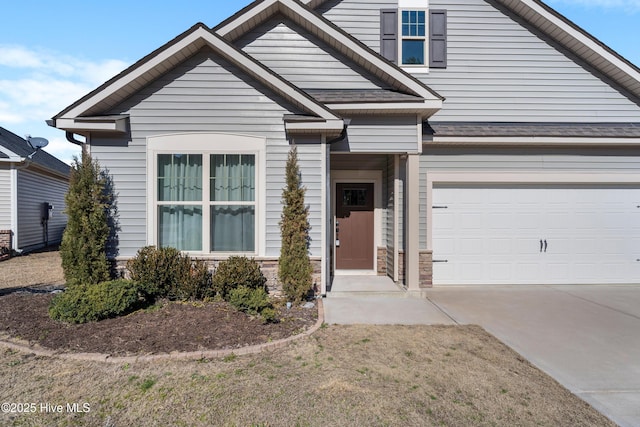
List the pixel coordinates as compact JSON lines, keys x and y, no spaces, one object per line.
{"x":493,"y":234}
{"x":500,"y":247}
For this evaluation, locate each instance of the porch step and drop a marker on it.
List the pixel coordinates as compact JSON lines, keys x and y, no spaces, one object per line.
{"x":368,"y":294}
{"x":367,"y":286}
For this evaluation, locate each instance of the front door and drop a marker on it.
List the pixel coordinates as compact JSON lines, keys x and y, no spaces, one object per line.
{"x":354,"y":226}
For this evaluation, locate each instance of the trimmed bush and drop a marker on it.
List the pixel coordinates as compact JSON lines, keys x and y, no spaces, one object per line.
{"x":167,"y":273}
{"x":235,"y":272}
{"x":252,"y":301}
{"x":82,"y":303}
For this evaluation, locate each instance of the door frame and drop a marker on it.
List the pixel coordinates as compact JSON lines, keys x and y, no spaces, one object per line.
{"x":362,"y":177}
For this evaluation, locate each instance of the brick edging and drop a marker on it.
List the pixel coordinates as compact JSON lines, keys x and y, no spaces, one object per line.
{"x":192,"y":355}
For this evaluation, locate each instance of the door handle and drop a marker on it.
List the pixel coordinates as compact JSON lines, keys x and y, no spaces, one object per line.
{"x":541,"y":245}
{"x":545,"y":245}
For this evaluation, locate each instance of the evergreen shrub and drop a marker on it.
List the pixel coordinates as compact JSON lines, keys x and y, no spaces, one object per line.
{"x":235,"y":272}
{"x":294,"y":266}
{"x":253,"y":301}
{"x":83,"y":247}
{"x":81,"y":303}
{"x":167,"y":273}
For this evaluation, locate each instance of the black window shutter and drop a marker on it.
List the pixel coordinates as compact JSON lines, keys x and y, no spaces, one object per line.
{"x":438,"y":39}
{"x":389,"y":34}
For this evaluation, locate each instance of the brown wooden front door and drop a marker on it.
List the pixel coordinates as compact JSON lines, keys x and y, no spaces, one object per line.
{"x":354,"y":226}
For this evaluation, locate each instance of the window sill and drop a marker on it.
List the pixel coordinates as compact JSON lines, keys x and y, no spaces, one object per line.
{"x":415,"y":70}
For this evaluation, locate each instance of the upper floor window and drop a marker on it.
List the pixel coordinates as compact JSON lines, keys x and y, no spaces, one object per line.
{"x":413,"y":37}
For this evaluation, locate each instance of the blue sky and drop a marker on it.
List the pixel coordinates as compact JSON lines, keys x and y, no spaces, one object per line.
{"x":52,"y":53}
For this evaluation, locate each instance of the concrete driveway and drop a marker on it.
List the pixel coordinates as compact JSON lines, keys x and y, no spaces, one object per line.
{"x":586,"y":337}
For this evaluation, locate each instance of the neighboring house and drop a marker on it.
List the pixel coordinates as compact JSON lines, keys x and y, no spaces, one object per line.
{"x":26,"y":184}
{"x":494,"y":135}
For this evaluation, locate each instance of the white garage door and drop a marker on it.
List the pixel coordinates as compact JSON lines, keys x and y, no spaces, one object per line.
{"x":536,"y":235}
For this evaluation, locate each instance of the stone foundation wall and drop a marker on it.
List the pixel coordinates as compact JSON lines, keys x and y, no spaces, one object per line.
{"x":269,"y":267}
{"x":382,"y":261}
{"x":426,"y":269}
{"x":401,"y":266}
{"x":5,"y":244}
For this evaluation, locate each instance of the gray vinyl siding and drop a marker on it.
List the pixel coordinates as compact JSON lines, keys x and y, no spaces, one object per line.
{"x":303,"y":59}
{"x":422,"y":242}
{"x":5,"y":197}
{"x":532,"y":159}
{"x":33,"y":189}
{"x":380,"y":134}
{"x":401,"y":203}
{"x":360,"y":18}
{"x":203,"y":94}
{"x":498,"y":70}
{"x":389,"y":202}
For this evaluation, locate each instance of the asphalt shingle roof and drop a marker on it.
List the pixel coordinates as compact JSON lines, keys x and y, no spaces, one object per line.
{"x":497,"y":129}
{"x":15,"y":144}
{"x":342,"y":96}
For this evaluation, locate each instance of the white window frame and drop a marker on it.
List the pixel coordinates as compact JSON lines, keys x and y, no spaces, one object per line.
{"x":401,"y":37}
{"x":207,"y":144}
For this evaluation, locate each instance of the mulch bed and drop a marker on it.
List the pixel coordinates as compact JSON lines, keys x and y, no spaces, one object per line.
{"x":165,"y":328}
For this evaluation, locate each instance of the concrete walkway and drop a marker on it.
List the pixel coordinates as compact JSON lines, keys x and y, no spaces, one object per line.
{"x":376,"y":300}
{"x":586,"y":337}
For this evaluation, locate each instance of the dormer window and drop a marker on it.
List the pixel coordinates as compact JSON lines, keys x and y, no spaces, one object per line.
{"x":413,"y":37}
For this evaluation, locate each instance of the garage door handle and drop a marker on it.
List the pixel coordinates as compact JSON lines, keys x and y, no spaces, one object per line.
{"x":543,"y":245}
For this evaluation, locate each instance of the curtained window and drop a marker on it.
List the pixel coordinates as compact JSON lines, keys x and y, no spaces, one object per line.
{"x":179,"y":186}
{"x":232,"y":202}
{"x":186,"y":198}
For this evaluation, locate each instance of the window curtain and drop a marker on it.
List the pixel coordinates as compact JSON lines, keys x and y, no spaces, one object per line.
{"x":232,"y":180}
{"x":180,"y":180}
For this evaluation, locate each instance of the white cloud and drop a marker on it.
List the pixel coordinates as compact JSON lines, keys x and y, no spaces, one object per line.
{"x":62,"y":149}
{"x":37,"y":84}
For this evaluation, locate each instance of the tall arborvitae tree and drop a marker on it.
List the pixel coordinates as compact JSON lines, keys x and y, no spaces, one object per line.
{"x":294,"y":267}
{"x":83,"y":248}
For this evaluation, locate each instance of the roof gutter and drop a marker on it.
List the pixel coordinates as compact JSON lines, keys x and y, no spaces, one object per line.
{"x":72,"y":139}
{"x":343,"y":134}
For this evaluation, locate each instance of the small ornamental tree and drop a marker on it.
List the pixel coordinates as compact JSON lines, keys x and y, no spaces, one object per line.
{"x":83,"y":247}
{"x":294,"y":269}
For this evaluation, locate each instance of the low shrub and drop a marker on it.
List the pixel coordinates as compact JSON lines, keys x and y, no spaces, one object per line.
{"x":235,"y":272}
{"x":167,"y":273}
{"x":81,"y":303}
{"x":252,"y":301}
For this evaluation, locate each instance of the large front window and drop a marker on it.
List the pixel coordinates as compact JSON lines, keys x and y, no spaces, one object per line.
{"x":413,"y":37}
{"x":217,"y":188}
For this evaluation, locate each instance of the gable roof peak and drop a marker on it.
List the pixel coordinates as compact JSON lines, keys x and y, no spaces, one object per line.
{"x":165,"y":58}
{"x":260,"y":11}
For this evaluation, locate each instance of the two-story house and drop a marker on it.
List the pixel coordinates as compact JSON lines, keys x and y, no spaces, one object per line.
{"x":440,"y":142}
